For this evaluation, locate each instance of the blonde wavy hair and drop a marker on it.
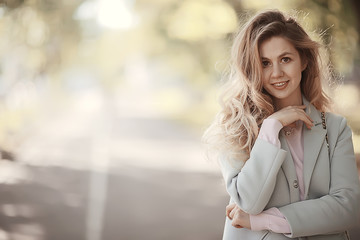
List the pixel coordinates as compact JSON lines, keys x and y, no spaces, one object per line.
{"x":244,"y":102}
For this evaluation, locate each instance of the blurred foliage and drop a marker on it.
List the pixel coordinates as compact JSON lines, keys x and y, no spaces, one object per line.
{"x":172,"y":52}
{"x":36,"y":38}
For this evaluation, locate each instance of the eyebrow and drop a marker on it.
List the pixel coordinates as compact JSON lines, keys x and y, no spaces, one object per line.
{"x":281,"y":55}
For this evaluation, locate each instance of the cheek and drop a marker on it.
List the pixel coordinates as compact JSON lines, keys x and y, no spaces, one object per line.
{"x":266,"y":86}
{"x":297,"y":72}
{"x":265,"y":77}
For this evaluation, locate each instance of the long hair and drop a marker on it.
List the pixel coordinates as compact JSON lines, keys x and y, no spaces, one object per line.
{"x":244,"y":102}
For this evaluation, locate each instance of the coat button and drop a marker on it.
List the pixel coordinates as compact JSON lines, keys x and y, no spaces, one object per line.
{"x":296,"y":184}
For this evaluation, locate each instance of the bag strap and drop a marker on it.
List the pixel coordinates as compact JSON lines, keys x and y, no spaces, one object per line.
{"x":324,"y":127}
{"x":327,"y":143}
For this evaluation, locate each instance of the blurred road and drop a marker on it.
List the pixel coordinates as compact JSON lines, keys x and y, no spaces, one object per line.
{"x":110,"y":169}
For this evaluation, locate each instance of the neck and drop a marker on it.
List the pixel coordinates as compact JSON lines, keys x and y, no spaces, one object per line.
{"x":294,"y":100}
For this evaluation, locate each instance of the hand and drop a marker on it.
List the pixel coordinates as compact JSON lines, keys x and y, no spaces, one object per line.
{"x":289,"y":115}
{"x":240,"y":219}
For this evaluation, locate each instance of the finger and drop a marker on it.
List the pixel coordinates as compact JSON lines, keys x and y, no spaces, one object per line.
{"x":232,"y":213}
{"x":303,"y":116}
{"x":308,"y":122}
{"x":307,"y":115}
{"x":238,"y":226}
{"x":229,"y":208}
{"x":235,"y":224}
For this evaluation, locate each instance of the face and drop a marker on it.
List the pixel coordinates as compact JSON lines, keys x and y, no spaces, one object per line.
{"x":281,"y":68}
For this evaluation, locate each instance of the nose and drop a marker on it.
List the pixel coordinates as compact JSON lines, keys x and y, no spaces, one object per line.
{"x":277,"y":71}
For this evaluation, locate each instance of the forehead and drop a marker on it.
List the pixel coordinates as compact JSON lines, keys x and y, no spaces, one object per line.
{"x":276,"y":46}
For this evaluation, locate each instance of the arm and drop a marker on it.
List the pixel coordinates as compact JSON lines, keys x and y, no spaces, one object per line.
{"x":251,"y":188}
{"x":270,"y":219}
{"x":337,"y":211}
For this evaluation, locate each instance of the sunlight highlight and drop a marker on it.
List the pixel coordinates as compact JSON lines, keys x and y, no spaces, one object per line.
{"x":114,"y":14}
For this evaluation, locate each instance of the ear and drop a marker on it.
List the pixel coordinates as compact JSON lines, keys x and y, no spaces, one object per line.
{"x":304,"y":64}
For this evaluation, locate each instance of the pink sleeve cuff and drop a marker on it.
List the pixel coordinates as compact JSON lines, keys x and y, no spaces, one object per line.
{"x":271,"y":219}
{"x":269,"y":131}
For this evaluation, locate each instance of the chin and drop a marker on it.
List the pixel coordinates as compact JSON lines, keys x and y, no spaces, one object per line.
{"x":280,"y":96}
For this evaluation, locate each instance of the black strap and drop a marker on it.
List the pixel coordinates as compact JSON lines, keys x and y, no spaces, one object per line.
{"x":324,"y":127}
{"x":327,"y":142}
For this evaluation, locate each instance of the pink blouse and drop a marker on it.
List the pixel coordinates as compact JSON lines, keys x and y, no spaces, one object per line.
{"x":272,"y":219}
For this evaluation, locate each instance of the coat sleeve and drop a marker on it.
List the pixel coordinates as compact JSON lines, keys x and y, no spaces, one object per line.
{"x":338,"y":211}
{"x":252,"y":186}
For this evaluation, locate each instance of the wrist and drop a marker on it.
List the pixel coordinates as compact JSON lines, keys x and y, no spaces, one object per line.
{"x":272,"y":118}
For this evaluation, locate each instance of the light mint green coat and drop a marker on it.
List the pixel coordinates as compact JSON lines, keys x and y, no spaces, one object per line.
{"x":331,"y":180}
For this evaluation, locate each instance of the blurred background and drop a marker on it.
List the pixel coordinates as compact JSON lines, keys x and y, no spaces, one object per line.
{"x":103,"y":104}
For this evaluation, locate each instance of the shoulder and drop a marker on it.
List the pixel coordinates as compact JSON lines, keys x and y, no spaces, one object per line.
{"x":334,"y":119}
{"x":339,"y":134}
{"x":337,"y":124}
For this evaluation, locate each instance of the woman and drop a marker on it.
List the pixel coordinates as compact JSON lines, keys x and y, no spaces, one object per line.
{"x":288,"y":166}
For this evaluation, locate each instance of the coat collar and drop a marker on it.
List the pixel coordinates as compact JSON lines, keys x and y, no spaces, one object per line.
{"x":313,"y":140}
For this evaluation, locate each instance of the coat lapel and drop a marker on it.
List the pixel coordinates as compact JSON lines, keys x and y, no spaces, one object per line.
{"x":313,"y":140}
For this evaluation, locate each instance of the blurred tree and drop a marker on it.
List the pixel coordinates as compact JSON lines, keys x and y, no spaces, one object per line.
{"x":36,"y":37}
{"x":11,"y":4}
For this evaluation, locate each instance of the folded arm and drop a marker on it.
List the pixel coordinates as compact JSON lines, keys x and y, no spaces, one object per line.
{"x":252,"y":186}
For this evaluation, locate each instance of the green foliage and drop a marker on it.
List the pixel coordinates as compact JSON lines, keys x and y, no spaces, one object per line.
{"x":175,"y":49}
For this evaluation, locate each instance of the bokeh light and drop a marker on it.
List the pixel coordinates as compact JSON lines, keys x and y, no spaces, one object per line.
{"x":103,"y":104}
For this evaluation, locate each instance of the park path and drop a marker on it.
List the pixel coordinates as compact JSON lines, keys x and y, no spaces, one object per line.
{"x":110,"y":168}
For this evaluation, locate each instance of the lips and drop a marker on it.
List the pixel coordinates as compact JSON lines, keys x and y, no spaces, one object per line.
{"x":280,"y":85}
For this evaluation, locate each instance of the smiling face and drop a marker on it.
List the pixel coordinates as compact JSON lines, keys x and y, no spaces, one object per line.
{"x":281,"y":71}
